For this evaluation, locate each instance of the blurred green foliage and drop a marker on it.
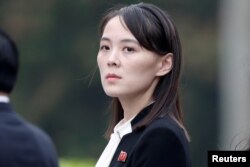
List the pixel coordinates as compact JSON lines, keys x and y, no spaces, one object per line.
{"x":76,"y":163}
{"x":59,"y":88}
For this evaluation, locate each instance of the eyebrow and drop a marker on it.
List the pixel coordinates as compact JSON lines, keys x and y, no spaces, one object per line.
{"x":126,"y":40}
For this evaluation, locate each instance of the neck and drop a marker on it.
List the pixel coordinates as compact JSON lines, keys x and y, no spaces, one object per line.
{"x":132,"y":107}
{"x":4,"y":94}
{"x":133,"y":104}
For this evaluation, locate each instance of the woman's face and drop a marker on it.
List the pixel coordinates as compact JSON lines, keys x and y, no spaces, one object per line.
{"x":126,"y":68}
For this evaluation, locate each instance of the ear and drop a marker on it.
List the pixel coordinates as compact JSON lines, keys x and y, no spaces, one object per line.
{"x":166,"y":64}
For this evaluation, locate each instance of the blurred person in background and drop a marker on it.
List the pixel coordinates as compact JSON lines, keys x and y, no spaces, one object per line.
{"x":140,"y":63}
{"x":21,"y":143}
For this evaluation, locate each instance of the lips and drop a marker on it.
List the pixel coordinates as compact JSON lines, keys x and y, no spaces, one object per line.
{"x":113,"y":76}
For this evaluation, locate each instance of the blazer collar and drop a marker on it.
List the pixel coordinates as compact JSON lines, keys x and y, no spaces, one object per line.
{"x":142,"y":114}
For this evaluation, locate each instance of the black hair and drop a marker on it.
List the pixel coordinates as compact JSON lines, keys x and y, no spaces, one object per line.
{"x":8,"y":63}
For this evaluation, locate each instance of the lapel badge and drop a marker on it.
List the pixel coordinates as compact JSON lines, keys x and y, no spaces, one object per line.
{"x":122,"y":156}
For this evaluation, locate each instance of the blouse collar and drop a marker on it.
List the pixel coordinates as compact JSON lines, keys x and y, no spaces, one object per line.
{"x":123,"y":128}
{"x":4,"y":99}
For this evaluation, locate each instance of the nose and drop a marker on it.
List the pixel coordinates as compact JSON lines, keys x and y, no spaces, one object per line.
{"x":113,"y":59}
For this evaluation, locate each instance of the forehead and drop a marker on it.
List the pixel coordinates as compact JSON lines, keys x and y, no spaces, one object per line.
{"x":116,"y":28}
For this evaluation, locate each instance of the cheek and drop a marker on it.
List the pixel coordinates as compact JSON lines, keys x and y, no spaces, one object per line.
{"x":140,"y":76}
{"x":100,"y":62}
{"x":100,"y":67}
{"x":145,"y":68}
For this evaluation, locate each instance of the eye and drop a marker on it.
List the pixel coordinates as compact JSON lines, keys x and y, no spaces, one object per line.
{"x":128,"y":49}
{"x":104,"y":47}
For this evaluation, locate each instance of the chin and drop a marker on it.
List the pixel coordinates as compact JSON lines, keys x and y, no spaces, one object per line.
{"x":112,"y":93}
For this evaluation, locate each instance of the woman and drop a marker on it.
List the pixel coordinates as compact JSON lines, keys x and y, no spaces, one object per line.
{"x":139,"y":61}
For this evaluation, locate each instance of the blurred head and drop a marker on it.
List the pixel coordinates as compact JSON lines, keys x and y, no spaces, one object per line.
{"x":155,"y":33}
{"x":8,"y":63}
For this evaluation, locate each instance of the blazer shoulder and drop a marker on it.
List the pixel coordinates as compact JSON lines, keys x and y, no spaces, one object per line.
{"x":166,"y":126}
{"x":164,"y":142}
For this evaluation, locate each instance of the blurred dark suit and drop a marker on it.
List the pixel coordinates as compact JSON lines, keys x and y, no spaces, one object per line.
{"x":21,"y":143}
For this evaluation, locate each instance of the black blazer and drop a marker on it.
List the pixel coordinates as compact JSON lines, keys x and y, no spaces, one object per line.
{"x":22,"y":144}
{"x":161,"y":144}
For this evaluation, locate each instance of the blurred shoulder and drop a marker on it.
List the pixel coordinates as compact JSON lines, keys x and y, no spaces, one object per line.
{"x":38,"y":133}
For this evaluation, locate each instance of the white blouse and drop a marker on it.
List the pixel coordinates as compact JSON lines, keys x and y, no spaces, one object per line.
{"x":121,"y":129}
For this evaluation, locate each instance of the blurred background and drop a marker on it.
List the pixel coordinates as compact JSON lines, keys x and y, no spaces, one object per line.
{"x":59,"y":87}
